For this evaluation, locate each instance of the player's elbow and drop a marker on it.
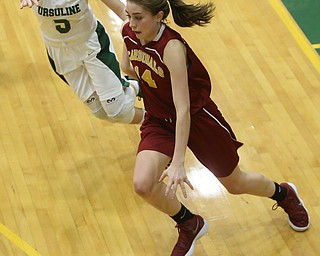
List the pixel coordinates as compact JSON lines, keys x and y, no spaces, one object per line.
{"x":125,"y":68}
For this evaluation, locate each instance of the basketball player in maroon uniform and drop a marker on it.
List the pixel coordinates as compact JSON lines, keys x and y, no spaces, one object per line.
{"x":180,"y":114}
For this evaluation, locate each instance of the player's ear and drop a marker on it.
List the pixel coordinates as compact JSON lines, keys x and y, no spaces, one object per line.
{"x":159,"y":16}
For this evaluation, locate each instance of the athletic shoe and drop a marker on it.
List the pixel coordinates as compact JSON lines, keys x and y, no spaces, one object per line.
{"x":293,"y":205}
{"x":189,"y":232}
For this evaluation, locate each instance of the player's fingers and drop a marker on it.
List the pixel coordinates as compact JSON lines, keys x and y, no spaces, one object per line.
{"x":183,"y":188}
{"x":168,"y":188}
{"x":29,"y":3}
{"x":173,"y":191}
{"x":23,"y":4}
{"x":189,"y":183}
{"x":26,"y":3}
{"x":163,"y":175}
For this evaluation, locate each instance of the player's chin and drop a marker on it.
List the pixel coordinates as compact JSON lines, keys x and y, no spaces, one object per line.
{"x":138,"y":35}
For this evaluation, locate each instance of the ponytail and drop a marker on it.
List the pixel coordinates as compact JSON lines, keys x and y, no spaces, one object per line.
{"x":184,"y":15}
{"x":188,"y":15}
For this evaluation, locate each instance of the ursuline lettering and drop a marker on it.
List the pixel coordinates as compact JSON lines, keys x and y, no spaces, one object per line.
{"x":58,"y":12}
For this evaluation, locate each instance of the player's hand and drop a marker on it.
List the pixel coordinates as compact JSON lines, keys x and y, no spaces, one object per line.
{"x":30,"y":3}
{"x":176,"y":177}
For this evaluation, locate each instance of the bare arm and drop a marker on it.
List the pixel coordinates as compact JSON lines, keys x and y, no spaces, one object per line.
{"x":126,"y":66}
{"x":117,"y":7}
{"x":175,"y":59}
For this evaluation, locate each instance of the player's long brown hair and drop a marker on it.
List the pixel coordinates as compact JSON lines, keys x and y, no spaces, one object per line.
{"x":184,"y":15}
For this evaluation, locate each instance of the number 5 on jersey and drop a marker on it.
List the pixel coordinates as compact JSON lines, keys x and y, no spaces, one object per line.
{"x":63,"y":26}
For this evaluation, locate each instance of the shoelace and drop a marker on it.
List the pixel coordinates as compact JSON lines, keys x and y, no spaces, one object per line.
{"x":290,"y":205}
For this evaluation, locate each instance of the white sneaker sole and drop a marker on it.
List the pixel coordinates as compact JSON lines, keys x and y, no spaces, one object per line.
{"x":299,"y":229}
{"x":203,"y":231}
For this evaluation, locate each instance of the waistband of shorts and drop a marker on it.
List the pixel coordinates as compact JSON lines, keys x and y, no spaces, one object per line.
{"x":168,"y":120}
{"x":65,"y":44}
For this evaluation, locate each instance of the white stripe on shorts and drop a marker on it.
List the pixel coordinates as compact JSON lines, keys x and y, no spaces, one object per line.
{"x":219,"y":123}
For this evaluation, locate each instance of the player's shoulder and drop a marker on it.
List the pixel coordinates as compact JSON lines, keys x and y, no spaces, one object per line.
{"x":124,"y":25}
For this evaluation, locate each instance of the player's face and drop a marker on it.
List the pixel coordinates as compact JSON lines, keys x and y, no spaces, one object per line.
{"x":142,"y":22}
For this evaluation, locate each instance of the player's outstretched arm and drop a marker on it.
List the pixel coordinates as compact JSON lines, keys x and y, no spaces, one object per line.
{"x":30,"y":3}
{"x":117,"y":7}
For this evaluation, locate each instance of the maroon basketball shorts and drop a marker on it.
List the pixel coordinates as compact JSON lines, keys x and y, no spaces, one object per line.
{"x":211,"y":139}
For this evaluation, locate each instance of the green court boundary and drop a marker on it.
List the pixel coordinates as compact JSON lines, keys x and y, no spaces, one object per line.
{"x":297,"y":33}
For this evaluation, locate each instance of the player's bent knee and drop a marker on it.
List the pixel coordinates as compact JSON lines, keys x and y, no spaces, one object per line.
{"x":121,"y":109}
{"x":96,"y":108}
{"x":124,"y":117}
{"x":142,"y":189}
{"x":101,"y":114}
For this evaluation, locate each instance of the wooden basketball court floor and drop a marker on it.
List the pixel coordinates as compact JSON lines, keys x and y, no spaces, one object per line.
{"x":66,"y":177}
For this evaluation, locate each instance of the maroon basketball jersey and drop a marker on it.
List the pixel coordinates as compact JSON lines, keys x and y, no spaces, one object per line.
{"x":154,"y":76}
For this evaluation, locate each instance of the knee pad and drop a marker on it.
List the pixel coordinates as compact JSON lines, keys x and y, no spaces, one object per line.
{"x":93,"y":102}
{"x":120,"y":109}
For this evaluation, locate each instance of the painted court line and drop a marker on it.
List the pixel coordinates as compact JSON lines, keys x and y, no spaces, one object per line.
{"x":24,"y":246}
{"x":296,"y":32}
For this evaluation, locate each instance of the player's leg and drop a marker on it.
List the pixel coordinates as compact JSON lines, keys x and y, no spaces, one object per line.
{"x":148,"y":169}
{"x":94,"y":104}
{"x":214,"y":144}
{"x":53,"y":65}
{"x":239,"y":182}
{"x":116,"y":94}
{"x":99,"y":85}
{"x":150,"y":164}
{"x":121,"y":108}
{"x":285,"y":194}
{"x":117,"y":101}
